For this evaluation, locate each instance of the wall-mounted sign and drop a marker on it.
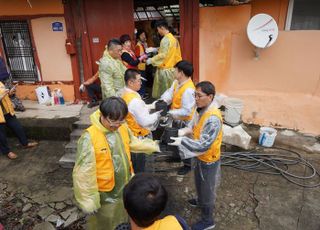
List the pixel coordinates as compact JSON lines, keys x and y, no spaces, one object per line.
{"x":95,"y":40}
{"x":57,"y":26}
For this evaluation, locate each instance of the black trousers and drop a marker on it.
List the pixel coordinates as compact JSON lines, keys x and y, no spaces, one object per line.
{"x":93,"y":89}
{"x":13,"y":124}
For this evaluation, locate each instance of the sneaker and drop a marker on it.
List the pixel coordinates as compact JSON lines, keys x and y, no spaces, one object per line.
{"x":93,"y":104}
{"x":193,"y":202}
{"x":184,"y":170}
{"x":203,"y":225}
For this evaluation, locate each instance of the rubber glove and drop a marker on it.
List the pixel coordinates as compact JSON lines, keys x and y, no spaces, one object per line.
{"x":158,"y":114}
{"x":177,"y":141}
{"x":171,"y":113}
{"x":143,"y":57}
{"x":184,"y":131}
{"x":152,"y":105}
{"x":148,"y":62}
{"x":82,"y":88}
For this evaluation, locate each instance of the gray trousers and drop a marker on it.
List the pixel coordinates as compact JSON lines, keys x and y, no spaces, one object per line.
{"x":207,"y":178}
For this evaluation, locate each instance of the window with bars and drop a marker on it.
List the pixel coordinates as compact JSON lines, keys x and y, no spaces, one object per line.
{"x":18,"y":50}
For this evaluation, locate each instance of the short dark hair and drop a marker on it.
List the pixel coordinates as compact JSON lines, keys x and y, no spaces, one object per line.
{"x":124,"y":38}
{"x":114,"y":108}
{"x":186,"y":67}
{"x":207,"y":87}
{"x":139,"y":32}
{"x":113,"y":42}
{"x":144,"y":199}
{"x":130,"y":74}
{"x":162,"y":23}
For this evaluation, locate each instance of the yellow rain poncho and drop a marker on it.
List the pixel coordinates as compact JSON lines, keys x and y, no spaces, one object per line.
{"x":106,"y":208}
{"x":169,"y":54}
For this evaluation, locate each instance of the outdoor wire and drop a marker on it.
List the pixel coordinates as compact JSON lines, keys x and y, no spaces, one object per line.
{"x":272,"y":163}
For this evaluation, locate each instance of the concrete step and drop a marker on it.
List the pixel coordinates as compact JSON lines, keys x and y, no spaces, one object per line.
{"x":75,"y":135}
{"x":67,"y":160}
{"x":81,"y":125}
{"x":71,"y":147}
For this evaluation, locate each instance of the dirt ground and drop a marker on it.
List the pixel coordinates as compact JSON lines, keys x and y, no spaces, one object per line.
{"x":36,"y":193}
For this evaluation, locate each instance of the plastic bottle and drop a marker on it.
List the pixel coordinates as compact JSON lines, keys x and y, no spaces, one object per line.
{"x":52,"y":97}
{"x":60,"y":96}
{"x":56,"y":99}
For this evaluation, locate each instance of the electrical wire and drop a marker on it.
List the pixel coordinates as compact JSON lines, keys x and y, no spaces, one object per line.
{"x":270,"y":162}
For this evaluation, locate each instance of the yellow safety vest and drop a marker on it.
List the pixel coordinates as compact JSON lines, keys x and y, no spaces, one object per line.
{"x":141,"y":65}
{"x":130,"y":119}
{"x":104,"y":163}
{"x":174,"y":53}
{"x":168,"y":222}
{"x":7,"y":104}
{"x":177,"y":98}
{"x":213,"y":153}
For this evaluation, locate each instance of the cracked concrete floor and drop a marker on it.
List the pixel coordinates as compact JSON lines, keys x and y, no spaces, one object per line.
{"x":244,"y":201}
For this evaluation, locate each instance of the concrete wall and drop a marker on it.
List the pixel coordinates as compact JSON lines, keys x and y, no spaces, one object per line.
{"x":54,"y":60}
{"x":22,"y":7}
{"x":282,"y":87}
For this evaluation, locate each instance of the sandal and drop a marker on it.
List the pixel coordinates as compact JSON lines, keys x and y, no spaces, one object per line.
{"x":12,"y":155}
{"x":31,"y":144}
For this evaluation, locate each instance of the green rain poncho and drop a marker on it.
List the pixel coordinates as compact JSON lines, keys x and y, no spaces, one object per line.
{"x":111,"y":74}
{"x":106,"y":208}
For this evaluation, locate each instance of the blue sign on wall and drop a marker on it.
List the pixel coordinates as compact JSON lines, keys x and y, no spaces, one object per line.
{"x":57,"y":26}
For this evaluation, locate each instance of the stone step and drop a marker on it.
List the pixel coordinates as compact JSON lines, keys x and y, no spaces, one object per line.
{"x":81,"y":124}
{"x":71,"y":147}
{"x":75,"y":135}
{"x":67,"y":160}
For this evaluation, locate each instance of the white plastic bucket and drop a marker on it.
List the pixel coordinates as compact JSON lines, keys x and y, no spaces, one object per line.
{"x":233,"y":110}
{"x":267,"y":136}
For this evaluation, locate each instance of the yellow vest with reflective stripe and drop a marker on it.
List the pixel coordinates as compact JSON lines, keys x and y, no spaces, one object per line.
{"x":167,"y":223}
{"x":177,"y":98}
{"x":7,"y":104}
{"x":104,"y":163}
{"x":213,"y":153}
{"x":130,"y":119}
{"x":174,"y":53}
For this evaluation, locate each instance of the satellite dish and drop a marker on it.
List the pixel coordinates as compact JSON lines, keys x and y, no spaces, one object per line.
{"x":262,"y":30}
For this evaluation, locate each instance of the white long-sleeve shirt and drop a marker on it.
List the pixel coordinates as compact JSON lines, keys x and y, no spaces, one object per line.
{"x":188,"y":100}
{"x":137,"y":107}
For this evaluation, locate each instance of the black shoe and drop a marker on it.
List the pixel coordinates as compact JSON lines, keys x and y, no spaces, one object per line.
{"x":184,"y":170}
{"x":193,"y":202}
{"x":93,"y":104}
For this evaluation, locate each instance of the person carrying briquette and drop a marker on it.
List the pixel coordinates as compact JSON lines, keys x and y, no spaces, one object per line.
{"x":111,"y":69}
{"x":140,"y":121}
{"x":168,"y":55}
{"x":180,"y":97}
{"x":203,"y":144}
{"x":103,"y":164}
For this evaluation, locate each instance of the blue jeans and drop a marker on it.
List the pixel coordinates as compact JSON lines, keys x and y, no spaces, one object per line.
{"x":206,"y":181}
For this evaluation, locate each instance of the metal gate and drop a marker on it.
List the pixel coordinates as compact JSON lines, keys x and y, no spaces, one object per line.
{"x":18,"y":48}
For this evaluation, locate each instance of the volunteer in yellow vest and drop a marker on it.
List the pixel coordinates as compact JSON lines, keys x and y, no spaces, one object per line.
{"x":181,"y":97}
{"x":8,"y":118}
{"x":111,"y":69}
{"x":147,"y":190}
{"x":103,"y":164}
{"x":206,"y":128}
{"x":139,"y":119}
{"x":168,"y":55}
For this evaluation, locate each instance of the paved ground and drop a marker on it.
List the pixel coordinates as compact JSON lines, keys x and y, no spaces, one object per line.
{"x":34,"y":190}
{"x":36,"y":193}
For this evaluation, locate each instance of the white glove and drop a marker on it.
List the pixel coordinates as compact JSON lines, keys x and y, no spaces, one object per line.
{"x":148,"y":62}
{"x":177,"y":141}
{"x":152,"y":105}
{"x":184,"y":131}
{"x":158,"y":114}
{"x":82,"y":88}
{"x":171,"y":113}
